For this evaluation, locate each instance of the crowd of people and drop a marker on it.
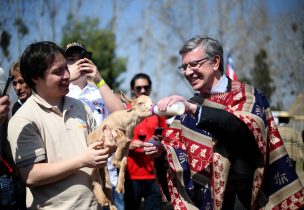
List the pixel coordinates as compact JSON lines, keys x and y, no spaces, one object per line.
{"x":223,"y":152}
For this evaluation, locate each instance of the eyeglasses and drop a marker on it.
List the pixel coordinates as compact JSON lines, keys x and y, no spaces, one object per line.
{"x":146,"y":87}
{"x":192,"y":64}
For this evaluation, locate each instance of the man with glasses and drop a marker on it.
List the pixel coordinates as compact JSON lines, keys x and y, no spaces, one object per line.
{"x":141,"y":179}
{"x":226,"y":147}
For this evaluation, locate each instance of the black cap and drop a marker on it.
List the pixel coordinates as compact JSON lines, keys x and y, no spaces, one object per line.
{"x":78,"y":46}
{"x":74,"y":45}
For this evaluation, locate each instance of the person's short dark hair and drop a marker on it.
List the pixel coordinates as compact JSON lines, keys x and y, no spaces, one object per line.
{"x":36,"y":59}
{"x":212,"y":48}
{"x":140,"y":76}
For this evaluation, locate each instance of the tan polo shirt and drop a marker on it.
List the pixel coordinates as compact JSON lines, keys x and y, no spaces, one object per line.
{"x":39,"y":131}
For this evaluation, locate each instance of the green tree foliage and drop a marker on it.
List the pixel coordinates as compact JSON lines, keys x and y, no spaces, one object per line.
{"x":99,"y":41}
{"x":261,"y":74}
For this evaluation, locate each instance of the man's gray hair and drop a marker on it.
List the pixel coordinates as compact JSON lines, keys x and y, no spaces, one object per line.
{"x":211,"y":47}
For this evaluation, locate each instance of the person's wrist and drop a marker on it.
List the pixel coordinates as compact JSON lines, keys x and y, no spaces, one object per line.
{"x":191,"y":108}
{"x":100,"y":83}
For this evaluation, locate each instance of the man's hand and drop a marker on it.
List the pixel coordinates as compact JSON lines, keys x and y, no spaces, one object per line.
{"x":95,"y":158}
{"x":152,"y":149}
{"x":136,"y":144}
{"x":94,"y":73}
{"x":84,"y":67}
{"x":162,"y":104}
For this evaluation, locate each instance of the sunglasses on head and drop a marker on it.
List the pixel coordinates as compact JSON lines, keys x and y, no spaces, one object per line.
{"x":146,"y":87}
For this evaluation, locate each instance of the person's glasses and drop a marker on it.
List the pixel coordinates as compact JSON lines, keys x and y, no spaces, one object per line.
{"x":192,"y":64}
{"x":146,"y":87}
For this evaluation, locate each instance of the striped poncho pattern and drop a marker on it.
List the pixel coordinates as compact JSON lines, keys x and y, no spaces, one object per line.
{"x":197,"y":176}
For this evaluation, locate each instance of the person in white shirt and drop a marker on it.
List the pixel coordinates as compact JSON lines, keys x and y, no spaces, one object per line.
{"x":99,"y":97}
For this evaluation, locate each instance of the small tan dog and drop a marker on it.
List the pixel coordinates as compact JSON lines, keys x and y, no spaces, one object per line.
{"x":121,"y":125}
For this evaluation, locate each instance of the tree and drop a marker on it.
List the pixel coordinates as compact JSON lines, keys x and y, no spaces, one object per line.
{"x":99,"y":41}
{"x":289,"y":62}
{"x":261,"y":74}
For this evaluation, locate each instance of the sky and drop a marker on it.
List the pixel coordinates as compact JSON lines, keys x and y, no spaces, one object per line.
{"x":130,"y":19}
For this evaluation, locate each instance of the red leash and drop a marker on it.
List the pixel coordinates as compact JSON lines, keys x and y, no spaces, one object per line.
{"x":10,"y":169}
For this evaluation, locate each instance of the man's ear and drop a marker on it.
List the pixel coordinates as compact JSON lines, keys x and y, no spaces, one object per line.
{"x":216,"y":62}
{"x":35,"y":80}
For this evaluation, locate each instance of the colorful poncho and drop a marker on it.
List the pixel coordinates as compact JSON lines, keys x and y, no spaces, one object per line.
{"x":198,"y":176}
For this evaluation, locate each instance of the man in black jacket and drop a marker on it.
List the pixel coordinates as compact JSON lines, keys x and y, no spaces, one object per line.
{"x":226,"y":146}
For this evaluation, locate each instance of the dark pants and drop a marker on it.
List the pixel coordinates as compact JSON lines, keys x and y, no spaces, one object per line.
{"x":238,"y":196}
{"x":238,"y":191}
{"x":135,"y":190}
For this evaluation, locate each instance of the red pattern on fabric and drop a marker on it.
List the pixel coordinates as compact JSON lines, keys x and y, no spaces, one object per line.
{"x":200,"y":155}
{"x":275,"y":139}
{"x":293,"y":202}
{"x":175,"y":196}
{"x":173,"y":138}
{"x":218,"y":181}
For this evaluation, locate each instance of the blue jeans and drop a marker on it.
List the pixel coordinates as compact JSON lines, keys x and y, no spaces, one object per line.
{"x":118,"y":199}
{"x":135,"y":190}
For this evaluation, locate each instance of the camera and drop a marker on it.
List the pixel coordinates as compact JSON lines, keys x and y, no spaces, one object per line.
{"x":86,"y":54}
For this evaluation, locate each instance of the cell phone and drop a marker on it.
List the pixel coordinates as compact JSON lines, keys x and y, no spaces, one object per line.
{"x":7,"y":86}
{"x":158,"y":131}
{"x":86,"y":54}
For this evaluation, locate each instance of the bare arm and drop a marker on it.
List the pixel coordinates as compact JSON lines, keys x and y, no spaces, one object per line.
{"x":112,"y":102}
{"x":41,"y":173}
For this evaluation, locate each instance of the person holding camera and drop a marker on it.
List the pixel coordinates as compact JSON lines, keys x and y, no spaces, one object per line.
{"x":99,"y":97}
{"x":83,"y":72}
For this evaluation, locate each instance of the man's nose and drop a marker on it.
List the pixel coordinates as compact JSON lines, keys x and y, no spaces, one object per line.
{"x":66,"y":74}
{"x":188,"y":70}
{"x":18,"y":86}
